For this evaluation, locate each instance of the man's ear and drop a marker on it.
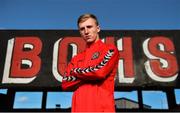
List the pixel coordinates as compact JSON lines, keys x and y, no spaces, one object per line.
{"x":98,"y":28}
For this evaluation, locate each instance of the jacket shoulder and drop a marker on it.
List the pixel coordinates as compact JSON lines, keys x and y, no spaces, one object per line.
{"x":111,"y":46}
{"x":79,"y":56}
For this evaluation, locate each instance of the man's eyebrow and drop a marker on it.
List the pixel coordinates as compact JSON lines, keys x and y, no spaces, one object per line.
{"x":89,"y":26}
{"x":81,"y":28}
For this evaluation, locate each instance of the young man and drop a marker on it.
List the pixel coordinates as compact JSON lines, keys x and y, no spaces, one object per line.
{"x":91,"y":74}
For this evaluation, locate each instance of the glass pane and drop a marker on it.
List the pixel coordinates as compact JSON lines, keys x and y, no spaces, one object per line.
{"x":3,"y":91}
{"x":177,"y":95}
{"x":155,"y":99}
{"x":126,"y":100}
{"x":59,"y":100}
{"x":28,"y":100}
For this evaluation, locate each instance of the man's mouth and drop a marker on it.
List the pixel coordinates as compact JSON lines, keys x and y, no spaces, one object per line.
{"x":87,"y":37}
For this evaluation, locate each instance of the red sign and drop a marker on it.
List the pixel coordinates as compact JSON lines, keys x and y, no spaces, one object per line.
{"x":39,"y":58}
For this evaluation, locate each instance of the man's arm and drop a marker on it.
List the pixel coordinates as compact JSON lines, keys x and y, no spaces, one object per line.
{"x":99,"y":70}
{"x":71,"y":85}
{"x":69,"y":81}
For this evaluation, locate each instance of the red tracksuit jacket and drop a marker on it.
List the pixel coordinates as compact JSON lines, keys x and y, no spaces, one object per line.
{"x":91,"y":75}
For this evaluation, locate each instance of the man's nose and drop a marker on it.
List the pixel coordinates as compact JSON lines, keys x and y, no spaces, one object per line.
{"x":86,"y":31}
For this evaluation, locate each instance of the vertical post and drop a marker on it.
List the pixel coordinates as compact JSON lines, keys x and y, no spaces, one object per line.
{"x":10,"y":99}
{"x":140,"y":100}
{"x":44,"y":100}
{"x":171,"y":98}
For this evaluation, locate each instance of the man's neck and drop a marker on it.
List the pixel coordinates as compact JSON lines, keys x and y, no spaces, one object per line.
{"x":92,"y":43}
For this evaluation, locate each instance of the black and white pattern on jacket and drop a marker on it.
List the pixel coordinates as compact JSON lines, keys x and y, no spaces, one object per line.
{"x":69,"y":78}
{"x":107,"y":57}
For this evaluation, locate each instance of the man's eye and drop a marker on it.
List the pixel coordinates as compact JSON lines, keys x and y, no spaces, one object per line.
{"x":89,"y":26}
{"x":81,"y":29}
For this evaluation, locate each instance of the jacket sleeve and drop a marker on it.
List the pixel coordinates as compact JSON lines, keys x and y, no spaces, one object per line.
{"x":71,"y":85}
{"x":70,"y":82}
{"x":101,"y":69}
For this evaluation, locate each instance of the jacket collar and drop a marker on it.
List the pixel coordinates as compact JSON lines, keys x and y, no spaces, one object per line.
{"x":94,"y":45}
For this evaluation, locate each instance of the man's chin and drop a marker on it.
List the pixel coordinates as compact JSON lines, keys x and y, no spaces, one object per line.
{"x":89,"y":41}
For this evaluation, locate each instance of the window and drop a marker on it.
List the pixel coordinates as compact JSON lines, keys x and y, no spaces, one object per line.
{"x":126,"y":100}
{"x":28,"y":100}
{"x":59,"y":100}
{"x":155,"y":99}
{"x":177,"y":95}
{"x":3,"y":91}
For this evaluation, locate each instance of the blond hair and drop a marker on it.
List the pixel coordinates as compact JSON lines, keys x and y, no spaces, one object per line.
{"x":84,"y":17}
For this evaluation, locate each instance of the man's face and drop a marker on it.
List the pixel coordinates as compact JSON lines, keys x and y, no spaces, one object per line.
{"x":89,"y":30}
